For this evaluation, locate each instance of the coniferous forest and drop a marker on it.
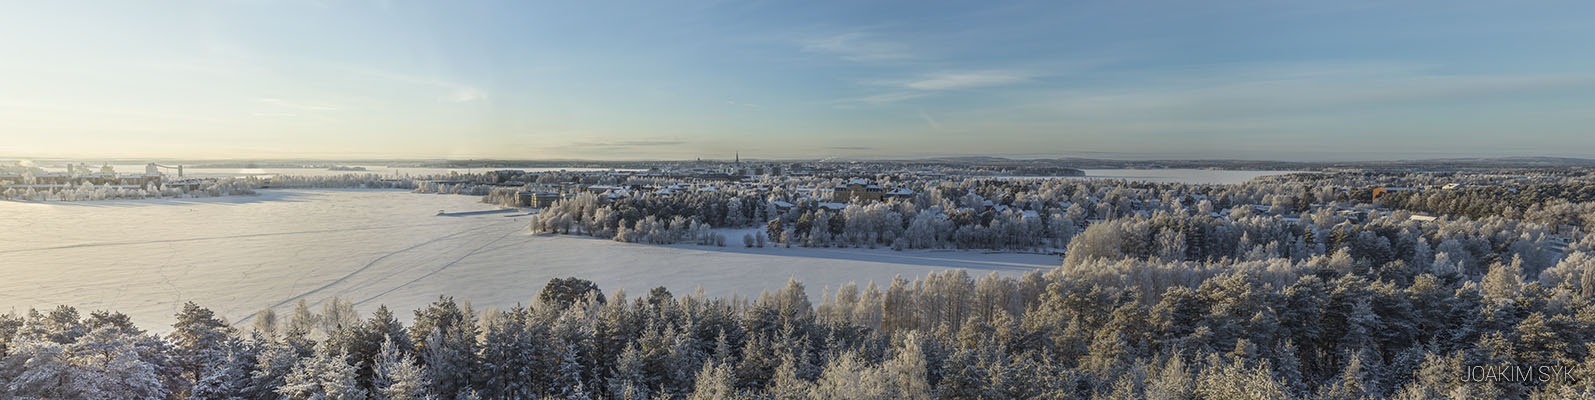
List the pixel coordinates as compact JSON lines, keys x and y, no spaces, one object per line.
{"x":1292,"y":287}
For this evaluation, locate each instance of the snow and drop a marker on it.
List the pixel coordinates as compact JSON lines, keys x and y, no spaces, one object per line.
{"x":1173,"y":175}
{"x":192,"y":172}
{"x":238,"y":254}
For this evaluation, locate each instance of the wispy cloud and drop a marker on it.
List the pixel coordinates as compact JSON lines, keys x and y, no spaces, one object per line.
{"x":858,"y":46}
{"x":851,"y":148}
{"x":966,"y":80}
{"x":930,"y":84}
{"x":883,"y":98}
{"x":929,"y":120}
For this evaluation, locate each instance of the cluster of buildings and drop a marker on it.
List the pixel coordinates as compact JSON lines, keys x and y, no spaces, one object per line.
{"x":77,"y":175}
{"x":533,"y":194}
{"x":862,"y":190}
{"x":534,"y":190}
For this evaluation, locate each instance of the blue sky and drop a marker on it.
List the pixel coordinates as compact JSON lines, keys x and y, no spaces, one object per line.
{"x":1282,"y":80}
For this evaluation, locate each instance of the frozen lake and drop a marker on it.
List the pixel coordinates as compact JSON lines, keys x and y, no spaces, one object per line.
{"x":236,"y":255}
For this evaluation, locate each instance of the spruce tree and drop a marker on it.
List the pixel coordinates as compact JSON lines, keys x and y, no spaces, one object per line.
{"x":199,"y":340}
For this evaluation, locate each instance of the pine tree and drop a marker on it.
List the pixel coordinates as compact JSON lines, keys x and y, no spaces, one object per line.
{"x":103,"y":363}
{"x":1226,"y":380}
{"x":1171,"y":381}
{"x":273,"y":364}
{"x":785,"y":384}
{"x":628,"y":378}
{"x":199,"y":340}
{"x":395,"y":376}
{"x":757,"y":365}
{"x":964,"y":377}
{"x":445,"y":340}
{"x":713,"y":382}
{"x":364,"y":341}
{"x":325,"y":376}
{"x":1350,"y":385}
{"x":38,"y":368}
{"x":1504,"y":281}
{"x":567,"y":377}
{"x":225,"y":380}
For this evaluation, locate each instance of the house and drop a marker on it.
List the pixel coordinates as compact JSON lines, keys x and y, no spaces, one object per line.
{"x":857,"y":189}
{"x":782,"y":206}
{"x":139,"y":180}
{"x":601,"y":189}
{"x":187,"y":185}
{"x":899,"y":193}
{"x":51,"y":179}
{"x":1356,"y":214}
{"x":535,"y":199}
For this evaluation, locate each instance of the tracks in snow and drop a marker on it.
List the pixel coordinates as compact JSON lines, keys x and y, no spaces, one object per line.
{"x":369,"y":264}
{"x":440,"y":269}
{"x":198,"y":239}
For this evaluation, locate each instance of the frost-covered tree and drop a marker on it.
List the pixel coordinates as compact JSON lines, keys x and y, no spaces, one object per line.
{"x":395,"y":375}
{"x":324,"y":376}
{"x":445,"y":339}
{"x":713,"y":382}
{"x":199,"y":340}
{"x":102,"y":364}
{"x":228,"y":379}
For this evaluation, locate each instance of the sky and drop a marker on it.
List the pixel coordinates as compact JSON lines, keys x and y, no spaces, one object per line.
{"x":1268,"y":80}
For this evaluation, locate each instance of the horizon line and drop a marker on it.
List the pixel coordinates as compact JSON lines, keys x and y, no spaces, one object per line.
{"x":795,"y":159}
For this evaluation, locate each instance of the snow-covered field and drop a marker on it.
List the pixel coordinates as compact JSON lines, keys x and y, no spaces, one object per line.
{"x":239,"y":254}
